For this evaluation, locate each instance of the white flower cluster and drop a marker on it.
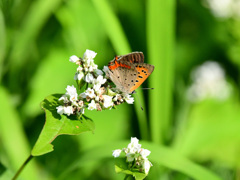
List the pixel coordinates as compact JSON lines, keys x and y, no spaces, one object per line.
{"x":98,"y":94}
{"x":224,"y":8}
{"x":135,"y":156}
{"x":209,"y":82}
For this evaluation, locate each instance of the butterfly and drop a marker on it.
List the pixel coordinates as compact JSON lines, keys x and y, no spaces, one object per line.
{"x":129,"y":71}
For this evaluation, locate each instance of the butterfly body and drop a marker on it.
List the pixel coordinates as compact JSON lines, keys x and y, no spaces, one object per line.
{"x":129,"y":71}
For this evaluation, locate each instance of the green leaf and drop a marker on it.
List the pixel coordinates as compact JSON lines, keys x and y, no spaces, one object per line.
{"x":2,"y":168}
{"x":57,"y":124}
{"x":160,"y":39}
{"x":121,"y":167}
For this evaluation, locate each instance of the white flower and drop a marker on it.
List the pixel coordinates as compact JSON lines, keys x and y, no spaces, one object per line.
{"x":128,"y":98}
{"x":97,"y":98}
{"x":89,"y":78}
{"x":83,"y":95}
{"x":98,"y":82}
{"x":130,"y":157}
{"x":92,"y":105}
{"x":68,"y":110}
{"x":107,"y":101}
{"x":208,"y":82}
{"x":79,"y":76}
{"x":146,"y":165}
{"x":134,"y":146}
{"x":60,"y":109}
{"x":72,"y":92}
{"x":88,"y":63}
{"x":82,"y":111}
{"x":98,"y":72}
{"x":90,"y":69}
{"x":90,"y":93}
{"x":144,"y":153}
{"x":64,"y":98}
{"x":117,"y":152}
{"x":89,"y":54}
{"x":94,"y":66}
{"x":105,"y":69}
{"x":65,"y":110}
{"x":222,"y":8}
{"x":117,"y":97}
{"x":73,"y":59}
{"x":80,"y":68}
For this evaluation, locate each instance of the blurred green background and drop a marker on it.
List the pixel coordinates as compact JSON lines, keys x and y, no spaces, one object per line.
{"x":191,"y":127}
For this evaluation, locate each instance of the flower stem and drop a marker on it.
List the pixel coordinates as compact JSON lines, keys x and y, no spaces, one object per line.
{"x":126,"y":177}
{"x":22,"y":167}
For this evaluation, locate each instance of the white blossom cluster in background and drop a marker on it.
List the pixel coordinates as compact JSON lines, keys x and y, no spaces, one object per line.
{"x":135,"y":156}
{"x":224,"y":8}
{"x":97,"y":96}
{"x":209,"y":82}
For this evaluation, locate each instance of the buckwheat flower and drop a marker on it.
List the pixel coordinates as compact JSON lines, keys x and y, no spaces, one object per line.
{"x":117,"y":97}
{"x":83,"y":95}
{"x":89,"y":78}
{"x":80,"y":68}
{"x":90,"y":69}
{"x":134,"y":146}
{"x":79,"y":76}
{"x":92,"y":105}
{"x":94,"y":66}
{"x":98,"y":82}
{"x":64,"y":98}
{"x":107,"y":101}
{"x":60,"y":109}
{"x":116,"y":153}
{"x":89,"y":54}
{"x":82,"y":111}
{"x":73,"y":59}
{"x":144,"y":153}
{"x":97,"y":98}
{"x":128,"y":98}
{"x":90,"y":93}
{"x":146,"y":165}
{"x":72,"y":92}
{"x":98,"y":72}
{"x":136,"y":158}
{"x":68,"y":110}
{"x":209,"y":81}
{"x":130,"y":157}
{"x":106,"y":69}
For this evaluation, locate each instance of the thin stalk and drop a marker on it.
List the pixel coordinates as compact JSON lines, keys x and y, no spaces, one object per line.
{"x":160,"y":41}
{"x":22,"y":167}
{"x":121,"y":45}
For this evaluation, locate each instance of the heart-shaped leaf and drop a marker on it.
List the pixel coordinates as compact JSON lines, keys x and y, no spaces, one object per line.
{"x":57,"y":124}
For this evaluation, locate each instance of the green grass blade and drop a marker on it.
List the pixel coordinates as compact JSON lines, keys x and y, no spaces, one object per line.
{"x":13,"y":137}
{"x":36,"y":17}
{"x":160,"y":155}
{"x":121,"y":46}
{"x":160,"y":39}
{"x":112,"y":26}
{"x":3,"y":42}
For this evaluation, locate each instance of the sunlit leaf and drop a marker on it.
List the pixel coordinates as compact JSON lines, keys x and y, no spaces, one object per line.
{"x":56,"y":125}
{"x":121,"y":167}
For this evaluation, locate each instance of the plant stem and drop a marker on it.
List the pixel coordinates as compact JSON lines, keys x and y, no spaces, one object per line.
{"x":126,"y":177}
{"x":22,"y":167}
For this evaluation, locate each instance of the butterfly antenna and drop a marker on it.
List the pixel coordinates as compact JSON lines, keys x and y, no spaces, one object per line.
{"x":138,"y":100}
{"x":147,"y":88}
